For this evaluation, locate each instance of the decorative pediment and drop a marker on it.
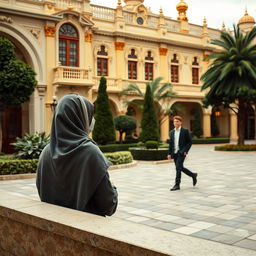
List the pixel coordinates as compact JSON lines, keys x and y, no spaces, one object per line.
{"x":83,"y":20}
{"x":141,"y":9}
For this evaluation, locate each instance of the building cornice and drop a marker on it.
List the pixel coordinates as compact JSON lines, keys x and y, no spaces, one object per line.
{"x":127,"y":35}
{"x":29,"y":14}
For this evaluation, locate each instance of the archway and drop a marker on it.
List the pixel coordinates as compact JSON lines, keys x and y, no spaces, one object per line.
{"x":192,"y":115}
{"x":20,"y":120}
{"x":250,"y":124}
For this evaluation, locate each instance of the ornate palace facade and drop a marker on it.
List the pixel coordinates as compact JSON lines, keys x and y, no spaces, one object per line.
{"x":71,"y":44}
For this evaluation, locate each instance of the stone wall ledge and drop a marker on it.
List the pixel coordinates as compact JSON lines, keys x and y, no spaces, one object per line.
{"x":32,"y":228}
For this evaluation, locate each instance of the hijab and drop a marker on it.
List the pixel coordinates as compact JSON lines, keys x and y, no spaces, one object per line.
{"x":71,"y":166}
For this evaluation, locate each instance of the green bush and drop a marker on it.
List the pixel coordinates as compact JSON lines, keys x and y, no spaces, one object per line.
{"x":250,"y":147}
{"x":116,"y":147}
{"x":121,"y":157}
{"x":104,"y":130}
{"x":209,"y":140}
{"x":31,"y":146}
{"x":151,"y":144}
{"x":149,"y":154}
{"x":141,"y":144}
{"x":21,"y":166}
{"x":18,"y":166}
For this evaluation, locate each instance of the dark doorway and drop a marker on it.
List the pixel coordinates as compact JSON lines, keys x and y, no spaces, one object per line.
{"x":250,"y":125}
{"x":11,"y":127}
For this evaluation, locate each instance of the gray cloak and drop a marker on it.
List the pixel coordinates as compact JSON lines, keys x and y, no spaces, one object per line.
{"x":72,"y":171}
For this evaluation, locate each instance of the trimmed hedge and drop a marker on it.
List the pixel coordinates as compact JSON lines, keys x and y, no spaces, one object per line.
{"x":18,"y":166}
{"x":210,"y":140}
{"x":116,"y":147}
{"x":121,"y":157}
{"x":21,"y":166}
{"x":249,"y":147}
{"x":149,"y":154}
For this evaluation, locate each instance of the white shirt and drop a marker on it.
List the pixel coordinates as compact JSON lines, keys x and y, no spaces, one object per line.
{"x":176,"y":140}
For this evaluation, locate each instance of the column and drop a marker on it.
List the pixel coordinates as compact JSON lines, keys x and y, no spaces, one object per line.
{"x":233,"y":126}
{"x":163,"y":63}
{"x":50,"y":50}
{"x":207,"y":122}
{"x":120,"y":65}
{"x":89,"y":61}
{"x":164,"y":129}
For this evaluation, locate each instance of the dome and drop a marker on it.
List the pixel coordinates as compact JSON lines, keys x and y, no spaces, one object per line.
{"x":181,"y":6}
{"x":246,"y":19}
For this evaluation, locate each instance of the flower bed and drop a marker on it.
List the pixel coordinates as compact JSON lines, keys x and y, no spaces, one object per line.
{"x":249,"y":147}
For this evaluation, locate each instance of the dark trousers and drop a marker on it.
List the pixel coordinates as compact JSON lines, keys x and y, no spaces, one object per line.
{"x":178,"y":160}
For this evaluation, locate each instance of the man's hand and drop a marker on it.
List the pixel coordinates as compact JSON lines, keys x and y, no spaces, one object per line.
{"x":169,"y":157}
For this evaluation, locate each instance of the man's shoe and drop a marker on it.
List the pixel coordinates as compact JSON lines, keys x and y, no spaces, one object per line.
{"x":194,"y":179}
{"x":175,"y":187}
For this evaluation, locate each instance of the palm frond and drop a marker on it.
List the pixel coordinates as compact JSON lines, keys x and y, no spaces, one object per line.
{"x":132,"y":88}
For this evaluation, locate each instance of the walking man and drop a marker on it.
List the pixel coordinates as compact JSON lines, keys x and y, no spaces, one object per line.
{"x":179,"y":145}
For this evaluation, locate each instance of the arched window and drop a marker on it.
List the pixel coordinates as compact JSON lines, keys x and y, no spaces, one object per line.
{"x":68,"y":45}
{"x":102,"y":62}
{"x":149,"y":66}
{"x":195,"y":71}
{"x":175,"y":69}
{"x":132,"y":65}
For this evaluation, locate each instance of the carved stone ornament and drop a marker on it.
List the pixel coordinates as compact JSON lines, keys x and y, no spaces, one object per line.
{"x":35,"y":32}
{"x":163,"y":51}
{"x":88,"y":37}
{"x":49,"y":31}
{"x":6,"y":19}
{"x":119,"y":46}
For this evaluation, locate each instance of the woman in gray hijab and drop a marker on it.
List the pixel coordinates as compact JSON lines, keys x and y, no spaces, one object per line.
{"x":72,"y":171}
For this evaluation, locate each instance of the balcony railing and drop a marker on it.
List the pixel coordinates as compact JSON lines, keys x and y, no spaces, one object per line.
{"x":112,"y":83}
{"x":72,"y":76}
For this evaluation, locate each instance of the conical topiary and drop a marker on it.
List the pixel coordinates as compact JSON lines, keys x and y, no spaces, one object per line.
{"x":149,"y":124}
{"x":104,"y":131}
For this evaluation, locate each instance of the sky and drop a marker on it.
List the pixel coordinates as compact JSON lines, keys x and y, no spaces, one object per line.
{"x":215,"y":11}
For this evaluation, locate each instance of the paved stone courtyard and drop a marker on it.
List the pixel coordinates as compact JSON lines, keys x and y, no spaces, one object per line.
{"x":221,"y":208}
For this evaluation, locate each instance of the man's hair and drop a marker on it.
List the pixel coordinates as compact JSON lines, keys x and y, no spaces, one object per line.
{"x":178,"y":118}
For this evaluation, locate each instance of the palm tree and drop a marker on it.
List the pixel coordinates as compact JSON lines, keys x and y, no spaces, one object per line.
{"x":231,"y":78}
{"x":160,"y":92}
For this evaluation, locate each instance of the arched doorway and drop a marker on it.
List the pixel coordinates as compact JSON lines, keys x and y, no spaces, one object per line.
{"x":250,"y":124}
{"x":11,"y":128}
{"x":192,"y":115}
{"x":11,"y":117}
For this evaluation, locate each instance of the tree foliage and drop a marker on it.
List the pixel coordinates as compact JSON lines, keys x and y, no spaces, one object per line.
{"x":160,"y":92}
{"x":231,"y":78}
{"x":124,"y":124}
{"x":104,"y":131}
{"x":149,"y":123}
{"x":17,"y":79}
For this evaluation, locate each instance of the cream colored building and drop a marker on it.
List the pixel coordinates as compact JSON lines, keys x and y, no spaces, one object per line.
{"x":71,"y":43}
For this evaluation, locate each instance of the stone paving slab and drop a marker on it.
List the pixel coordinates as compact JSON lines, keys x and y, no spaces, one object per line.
{"x":222,"y":207}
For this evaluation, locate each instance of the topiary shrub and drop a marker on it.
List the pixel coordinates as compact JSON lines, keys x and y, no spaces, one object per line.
{"x":151,"y":144}
{"x":121,"y":157}
{"x":104,"y":131}
{"x":31,"y":146}
{"x":149,"y":154}
{"x":116,"y":147}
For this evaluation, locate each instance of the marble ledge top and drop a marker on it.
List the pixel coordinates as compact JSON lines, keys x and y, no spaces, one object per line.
{"x":124,"y":237}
